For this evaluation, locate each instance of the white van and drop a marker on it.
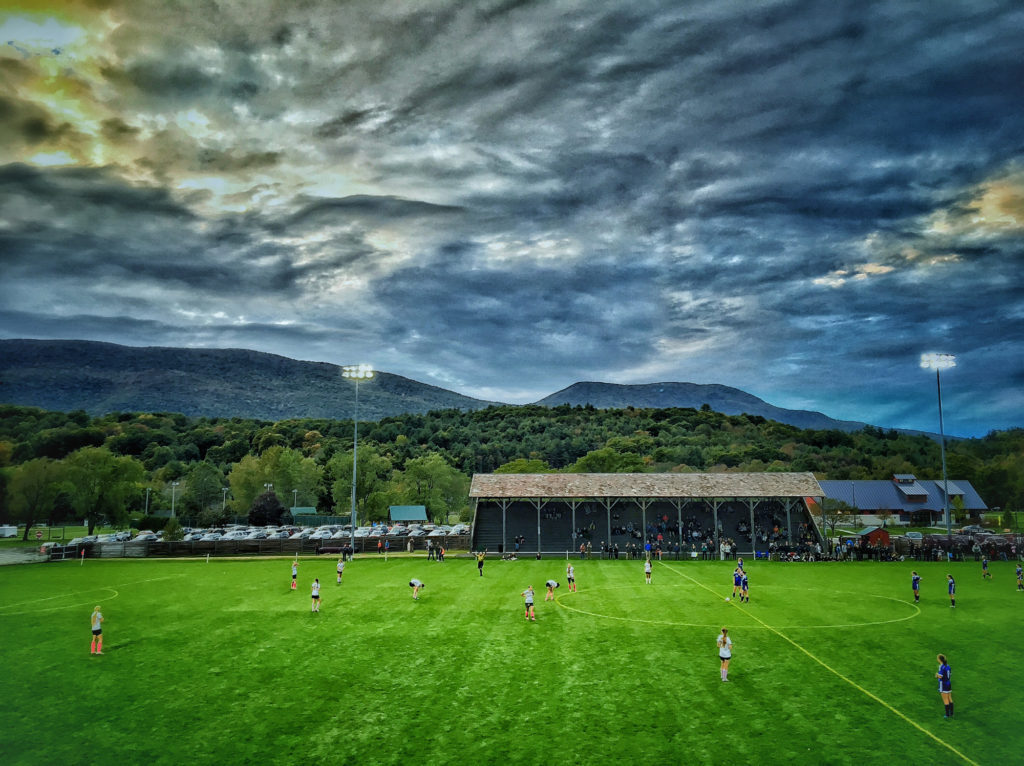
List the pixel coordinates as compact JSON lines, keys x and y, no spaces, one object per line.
{"x":8,"y":531}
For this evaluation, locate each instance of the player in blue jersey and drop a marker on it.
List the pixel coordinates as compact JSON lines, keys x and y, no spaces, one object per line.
{"x":951,"y":586}
{"x":744,"y":588}
{"x":915,"y":583}
{"x":737,"y":580}
{"x":1020,"y":577}
{"x":945,"y":685}
{"x":985,"y":574}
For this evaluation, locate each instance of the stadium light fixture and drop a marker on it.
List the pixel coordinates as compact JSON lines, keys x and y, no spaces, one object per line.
{"x":939,"y":362}
{"x":223,"y":499}
{"x":355,"y":372}
{"x":148,"y":490}
{"x":174,"y":487}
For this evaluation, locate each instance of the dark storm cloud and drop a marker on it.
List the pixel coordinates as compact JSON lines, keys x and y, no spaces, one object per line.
{"x":787,"y":197}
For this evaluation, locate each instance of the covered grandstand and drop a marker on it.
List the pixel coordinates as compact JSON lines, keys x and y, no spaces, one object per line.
{"x":555,"y":513}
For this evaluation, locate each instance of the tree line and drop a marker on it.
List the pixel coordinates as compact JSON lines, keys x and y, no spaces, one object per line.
{"x":56,"y":466}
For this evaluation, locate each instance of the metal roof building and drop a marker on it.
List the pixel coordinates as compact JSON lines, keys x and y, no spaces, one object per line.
{"x":904,"y":494}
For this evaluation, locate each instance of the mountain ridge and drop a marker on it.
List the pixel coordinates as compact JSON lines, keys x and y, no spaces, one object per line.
{"x":99,"y":378}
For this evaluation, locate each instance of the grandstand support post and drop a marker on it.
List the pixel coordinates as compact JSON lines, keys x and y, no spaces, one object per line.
{"x":679,"y":520}
{"x":538,"y":525}
{"x":643,"y":518}
{"x":572,"y":504}
{"x":504,"y":535}
{"x":718,"y":545}
{"x":751,"y":502}
{"x":608,"y":511}
{"x":789,"y":524}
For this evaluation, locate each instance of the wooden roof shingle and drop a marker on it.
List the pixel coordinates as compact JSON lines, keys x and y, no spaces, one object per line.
{"x":645,"y":485}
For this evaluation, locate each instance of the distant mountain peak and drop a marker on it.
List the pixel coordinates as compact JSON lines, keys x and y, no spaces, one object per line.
{"x":99,"y":377}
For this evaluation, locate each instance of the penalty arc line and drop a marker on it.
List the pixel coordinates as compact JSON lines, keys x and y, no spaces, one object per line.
{"x":831,"y":669}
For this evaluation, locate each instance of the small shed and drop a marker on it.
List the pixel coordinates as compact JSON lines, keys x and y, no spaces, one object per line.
{"x":406,"y":513}
{"x":874,"y":536}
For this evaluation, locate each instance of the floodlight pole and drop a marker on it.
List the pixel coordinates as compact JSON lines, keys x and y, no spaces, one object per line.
{"x":355,"y":372}
{"x":939,"y":362}
{"x":174,"y":487}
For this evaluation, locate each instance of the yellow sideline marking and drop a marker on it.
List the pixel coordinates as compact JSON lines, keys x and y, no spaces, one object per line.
{"x":831,"y":669}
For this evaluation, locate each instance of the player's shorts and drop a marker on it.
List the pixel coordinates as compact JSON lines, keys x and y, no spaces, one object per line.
{"x":97,"y":631}
{"x":294,"y":576}
{"x":945,"y":688}
{"x":736,"y":583}
{"x":316,"y":596}
{"x":573,"y":579}
{"x":724,"y":656}
{"x":529,"y":603}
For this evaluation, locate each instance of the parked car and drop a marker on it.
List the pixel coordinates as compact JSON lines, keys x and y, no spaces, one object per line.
{"x":145,"y":537}
{"x":971,"y":529}
{"x":282,"y":535}
{"x":363,"y":532}
{"x":914,"y":536}
{"x":417,"y":533}
{"x":235,"y":534}
{"x":257,"y":534}
{"x":212,"y":537}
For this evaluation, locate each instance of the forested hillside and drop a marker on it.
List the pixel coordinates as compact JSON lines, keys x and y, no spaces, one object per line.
{"x":225,"y":463}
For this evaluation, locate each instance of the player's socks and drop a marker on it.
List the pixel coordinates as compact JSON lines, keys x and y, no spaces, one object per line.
{"x":92,"y":649}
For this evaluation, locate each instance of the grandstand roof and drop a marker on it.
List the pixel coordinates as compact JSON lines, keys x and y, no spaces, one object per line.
{"x":645,"y":485}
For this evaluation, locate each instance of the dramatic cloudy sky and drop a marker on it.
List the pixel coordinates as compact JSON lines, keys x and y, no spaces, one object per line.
{"x":503,"y":197}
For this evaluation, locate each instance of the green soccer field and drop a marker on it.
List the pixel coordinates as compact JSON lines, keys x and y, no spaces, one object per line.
{"x":221,"y":662}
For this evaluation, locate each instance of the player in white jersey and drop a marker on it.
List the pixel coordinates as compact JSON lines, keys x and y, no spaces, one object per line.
{"x":528,"y":597}
{"x":295,"y":574}
{"x":647,"y":571}
{"x":724,"y":652}
{"x":341,"y":569}
{"x":550,"y":585}
{"x":316,"y":595}
{"x":416,"y":585}
{"x":97,"y":631}
{"x":570,"y":575}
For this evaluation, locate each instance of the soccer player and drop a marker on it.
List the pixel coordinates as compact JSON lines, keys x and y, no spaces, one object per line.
{"x":951,"y":586}
{"x":480,"y":561}
{"x":647,"y":571}
{"x":744,"y":588}
{"x":550,"y":595}
{"x":416,"y":585}
{"x":316,"y":595}
{"x":724,"y":652}
{"x":97,"y":631}
{"x":945,"y":685}
{"x":915,"y":583}
{"x":341,"y":569}
{"x":737,"y":580}
{"x":1020,"y":577}
{"x":528,"y":597}
{"x":570,"y":576}
{"x":295,"y":573}
{"x":985,"y":574}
